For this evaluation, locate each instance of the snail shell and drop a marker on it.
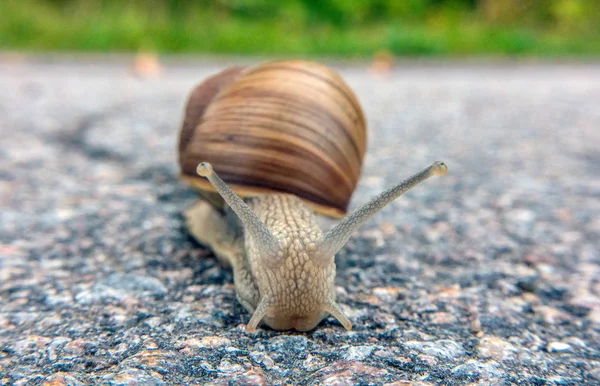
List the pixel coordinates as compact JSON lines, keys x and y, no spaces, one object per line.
{"x":281,"y":127}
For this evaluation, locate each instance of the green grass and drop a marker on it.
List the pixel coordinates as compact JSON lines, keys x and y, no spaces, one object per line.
{"x":36,"y":25}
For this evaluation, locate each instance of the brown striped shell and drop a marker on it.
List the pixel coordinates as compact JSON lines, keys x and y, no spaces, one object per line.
{"x":281,"y":127}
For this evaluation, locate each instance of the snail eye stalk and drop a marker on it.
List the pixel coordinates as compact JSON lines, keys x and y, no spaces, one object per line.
{"x":336,"y":238}
{"x":259,"y":232}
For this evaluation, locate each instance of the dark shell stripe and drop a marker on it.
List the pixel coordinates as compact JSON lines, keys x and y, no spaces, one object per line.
{"x":240,"y":106}
{"x":284,"y":82}
{"x":305,"y":93}
{"x":253,"y":137}
{"x":199,"y":99}
{"x":332,"y":79}
{"x":259,"y":114}
{"x":336,"y":81}
{"x":315,"y":116}
{"x":260,"y":157}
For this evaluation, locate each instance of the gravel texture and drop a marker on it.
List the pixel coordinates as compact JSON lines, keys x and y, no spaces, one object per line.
{"x":488,"y":275}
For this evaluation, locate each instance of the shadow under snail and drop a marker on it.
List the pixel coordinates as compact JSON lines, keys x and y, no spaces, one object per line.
{"x":276,"y":144}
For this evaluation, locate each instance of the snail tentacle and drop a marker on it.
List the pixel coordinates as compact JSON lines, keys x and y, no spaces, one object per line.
{"x":252,"y":224}
{"x":259,"y":313}
{"x":334,"y":309}
{"x":336,"y":238}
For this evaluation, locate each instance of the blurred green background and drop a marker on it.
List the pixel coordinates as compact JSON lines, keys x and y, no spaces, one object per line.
{"x":348,"y":28}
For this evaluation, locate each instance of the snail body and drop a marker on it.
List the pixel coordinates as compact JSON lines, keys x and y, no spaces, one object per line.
{"x":288,"y":139}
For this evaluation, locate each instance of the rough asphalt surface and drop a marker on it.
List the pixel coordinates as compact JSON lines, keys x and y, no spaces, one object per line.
{"x":488,"y":275}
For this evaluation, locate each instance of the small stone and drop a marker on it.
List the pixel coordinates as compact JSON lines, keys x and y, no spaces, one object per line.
{"x":153,"y":322}
{"x":54,"y":347}
{"x":388,"y":294}
{"x":475,"y":326}
{"x":450,"y":292}
{"x":358,"y":353}
{"x":375,"y":236}
{"x":383,"y":354}
{"x":262,"y":358}
{"x":558,"y":380}
{"x":119,"y":286}
{"x":135,"y":284}
{"x":520,"y":221}
{"x":442,"y":318}
{"x":342,"y":373}
{"x":229,"y":368}
{"x":473,"y":370}
{"x":313,"y":363}
{"x":467,"y":372}
{"x":428,"y":359}
{"x":552,"y":315}
{"x":496,"y":348}
{"x":388,"y":229}
{"x":31,"y":343}
{"x":76,"y":348}
{"x":284,"y":343}
{"x":405,"y":360}
{"x":190,"y":346}
{"x":150,"y":345}
{"x":214,"y":342}
{"x":594,"y":316}
{"x":133,"y":376}
{"x":61,"y":379}
{"x":120,"y":349}
{"x":193,"y":345}
{"x":59,"y":340}
{"x":558,"y":347}
{"x":253,"y":377}
{"x":595,"y":371}
{"x":160,"y":361}
{"x":444,"y":348}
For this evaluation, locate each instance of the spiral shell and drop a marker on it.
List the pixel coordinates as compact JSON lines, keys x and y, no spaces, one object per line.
{"x":281,"y":127}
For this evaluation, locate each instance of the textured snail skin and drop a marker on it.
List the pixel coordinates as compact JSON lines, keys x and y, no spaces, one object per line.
{"x":299,"y":289}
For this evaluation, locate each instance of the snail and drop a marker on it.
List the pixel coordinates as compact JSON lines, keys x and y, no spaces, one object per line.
{"x":269,"y":148}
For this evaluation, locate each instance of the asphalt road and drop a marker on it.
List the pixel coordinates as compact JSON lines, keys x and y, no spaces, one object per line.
{"x":490,"y":274}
